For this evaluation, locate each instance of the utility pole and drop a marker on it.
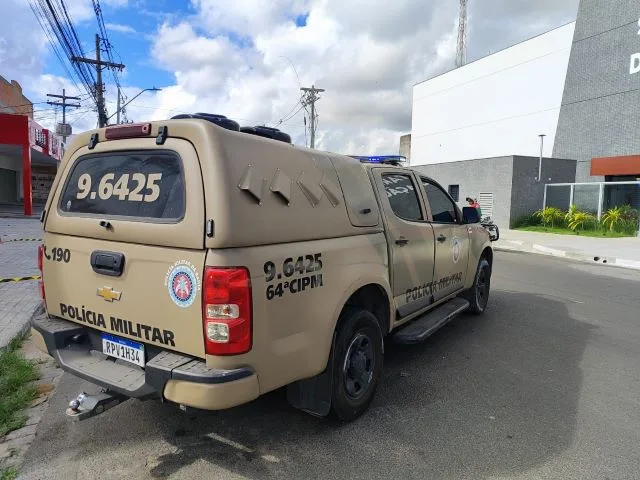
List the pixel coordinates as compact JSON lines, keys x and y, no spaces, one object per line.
{"x":65,"y":129}
{"x":118,"y":108}
{"x":102,"y":113}
{"x":310,"y":98}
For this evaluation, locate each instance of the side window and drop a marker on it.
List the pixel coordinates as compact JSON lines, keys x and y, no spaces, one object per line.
{"x":443,"y":209}
{"x":403,"y":196}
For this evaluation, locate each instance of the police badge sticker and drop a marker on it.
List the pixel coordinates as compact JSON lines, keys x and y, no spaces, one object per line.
{"x":455,"y":247}
{"x":182,"y":282}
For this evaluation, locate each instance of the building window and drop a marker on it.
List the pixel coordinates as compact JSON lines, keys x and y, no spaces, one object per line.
{"x":454,"y":191}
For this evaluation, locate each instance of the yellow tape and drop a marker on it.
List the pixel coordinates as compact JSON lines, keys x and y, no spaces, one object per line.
{"x":21,"y":240}
{"x":19,"y":279}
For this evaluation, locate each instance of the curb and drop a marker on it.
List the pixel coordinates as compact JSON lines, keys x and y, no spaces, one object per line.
{"x":15,"y":444}
{"x":24,"y":329}
{"x":554,"y":252}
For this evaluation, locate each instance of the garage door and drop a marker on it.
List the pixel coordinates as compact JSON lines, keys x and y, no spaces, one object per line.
{"x":8,"y":186}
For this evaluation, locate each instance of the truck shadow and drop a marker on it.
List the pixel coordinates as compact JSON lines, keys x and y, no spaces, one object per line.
{"x":489,"y":396}
{"x":485,"y":396}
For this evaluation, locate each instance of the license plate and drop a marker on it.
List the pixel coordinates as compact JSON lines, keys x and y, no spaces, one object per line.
{"x":123,"y":349}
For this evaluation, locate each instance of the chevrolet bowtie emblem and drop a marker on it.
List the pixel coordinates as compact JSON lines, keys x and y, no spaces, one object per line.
{"x":109,"y":294}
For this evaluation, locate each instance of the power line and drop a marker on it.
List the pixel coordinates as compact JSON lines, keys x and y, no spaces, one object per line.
{"x":286,"y":116}
{"x":285,"y":120}
{"x":60,"y":26}
{"x":52,"y":44}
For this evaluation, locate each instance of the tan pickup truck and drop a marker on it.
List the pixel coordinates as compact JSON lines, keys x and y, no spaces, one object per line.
{"x":194,"y":262}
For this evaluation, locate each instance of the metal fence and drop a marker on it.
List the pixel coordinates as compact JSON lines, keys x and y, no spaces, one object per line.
{"x":595,"y":198}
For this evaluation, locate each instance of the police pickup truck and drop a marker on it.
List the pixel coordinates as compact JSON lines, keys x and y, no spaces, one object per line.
{"x":199,"y":263}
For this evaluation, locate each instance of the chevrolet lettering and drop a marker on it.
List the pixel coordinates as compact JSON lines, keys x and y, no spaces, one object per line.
{"x":203,"y":264}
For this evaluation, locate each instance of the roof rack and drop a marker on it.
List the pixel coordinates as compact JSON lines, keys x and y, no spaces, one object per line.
{"x":219,"y":120}
{"x":224,"y":122}
{"x":267,"y":132}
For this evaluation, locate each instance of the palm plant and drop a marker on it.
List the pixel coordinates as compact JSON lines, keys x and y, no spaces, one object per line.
{"x":549,"y":215}
{"x":613,"y":217}
{"x":570,"y":213}
{"x":579,"y":219}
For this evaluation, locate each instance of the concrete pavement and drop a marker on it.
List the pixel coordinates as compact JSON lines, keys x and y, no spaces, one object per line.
{"x":18,"y":258}
{"x":544,"y":386}
{"x":621,"y":252}
{"x":19,"y":239}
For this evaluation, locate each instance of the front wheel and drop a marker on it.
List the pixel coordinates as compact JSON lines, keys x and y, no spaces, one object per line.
{"x":478,"y":294}
{"x":357,"y":364}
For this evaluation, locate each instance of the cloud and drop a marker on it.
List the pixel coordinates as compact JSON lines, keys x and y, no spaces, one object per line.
{"x":116,"y":27}
{"x":237,"y":60}
{"x":21,"y":55}
{"x":247,"y":59}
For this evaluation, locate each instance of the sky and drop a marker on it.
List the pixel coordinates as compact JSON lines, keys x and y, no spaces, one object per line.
{"x":247,"y":59}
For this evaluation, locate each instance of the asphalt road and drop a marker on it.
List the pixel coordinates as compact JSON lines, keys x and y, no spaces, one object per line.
{"x":545,"y":385}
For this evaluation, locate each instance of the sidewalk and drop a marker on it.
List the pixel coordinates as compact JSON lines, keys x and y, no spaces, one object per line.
{"x":621,"y":252}
{"x":18,"y":258}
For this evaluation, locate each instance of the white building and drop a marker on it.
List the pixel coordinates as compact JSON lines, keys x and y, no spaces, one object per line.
{"x":493,"y":107}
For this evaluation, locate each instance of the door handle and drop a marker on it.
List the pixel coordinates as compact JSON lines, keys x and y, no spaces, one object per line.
{"x":402,"y":241}
{"x":107,"y":263}
{"x":441,"y":238}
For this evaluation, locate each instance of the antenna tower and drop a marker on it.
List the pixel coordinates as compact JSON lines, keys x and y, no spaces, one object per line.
{"x":461,"y":50}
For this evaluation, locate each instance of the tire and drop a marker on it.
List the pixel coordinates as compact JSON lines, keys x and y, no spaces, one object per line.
{"x":357,"y":364}
{"x":478,"y":294}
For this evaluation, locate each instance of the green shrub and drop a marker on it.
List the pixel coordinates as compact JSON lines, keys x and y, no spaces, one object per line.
{"x":579,"y":219}
{"x":612,"y":218}
{"x":550,"y":215}
{"x":526,"y":221}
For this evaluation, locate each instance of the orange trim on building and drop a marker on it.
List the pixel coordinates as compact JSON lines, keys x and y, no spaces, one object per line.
{"x":623,"y":165}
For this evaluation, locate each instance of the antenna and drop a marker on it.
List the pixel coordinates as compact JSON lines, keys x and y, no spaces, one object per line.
{"x":461,"y":50}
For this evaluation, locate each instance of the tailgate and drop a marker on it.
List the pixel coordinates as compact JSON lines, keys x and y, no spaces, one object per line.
{"x":122,"y":252}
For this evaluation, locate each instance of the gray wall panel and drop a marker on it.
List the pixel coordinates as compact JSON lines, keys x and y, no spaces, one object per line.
{"x":599,"y":116}
{"x":527,"y":195}
{"x":476,"y":176}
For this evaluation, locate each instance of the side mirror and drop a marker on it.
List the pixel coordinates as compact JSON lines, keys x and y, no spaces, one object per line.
{"x":470,"y":215}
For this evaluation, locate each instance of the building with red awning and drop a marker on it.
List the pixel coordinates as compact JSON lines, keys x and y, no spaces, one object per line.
{"x":29,"y":153}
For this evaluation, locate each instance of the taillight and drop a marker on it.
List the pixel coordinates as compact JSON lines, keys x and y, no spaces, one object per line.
{"x":226,"y":310}
{"x":40,"y":267}
{"x":128,"y":131}
{"x":40,"y":257}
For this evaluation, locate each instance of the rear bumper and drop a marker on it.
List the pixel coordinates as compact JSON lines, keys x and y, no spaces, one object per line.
{"x":168,"y":375}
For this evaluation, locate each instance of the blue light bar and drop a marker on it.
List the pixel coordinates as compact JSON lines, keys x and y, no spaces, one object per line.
{"x":380,"y":158}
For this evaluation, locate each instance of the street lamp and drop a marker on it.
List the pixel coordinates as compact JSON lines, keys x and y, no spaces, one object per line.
{"x":541,"y":135}
{"x":120,"y":108}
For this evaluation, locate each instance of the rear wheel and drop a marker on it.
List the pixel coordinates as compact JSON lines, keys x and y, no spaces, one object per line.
{"x":357,"y":364}
{"x":478,"y":294}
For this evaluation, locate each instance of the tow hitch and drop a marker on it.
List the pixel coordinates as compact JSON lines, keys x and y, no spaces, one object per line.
{"x":86,"y":406}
